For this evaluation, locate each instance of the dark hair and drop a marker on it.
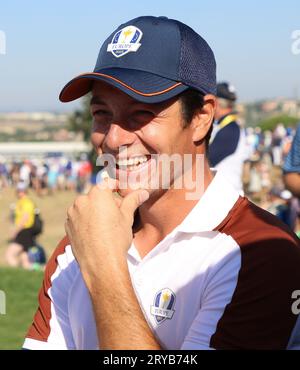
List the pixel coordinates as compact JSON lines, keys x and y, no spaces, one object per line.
{"x":192,"y":100}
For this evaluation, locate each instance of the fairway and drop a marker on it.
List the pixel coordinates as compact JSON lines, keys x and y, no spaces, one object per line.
{"x":21,"y":289}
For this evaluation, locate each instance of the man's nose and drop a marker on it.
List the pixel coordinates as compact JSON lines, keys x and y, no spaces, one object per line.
{"x":118,"y":136}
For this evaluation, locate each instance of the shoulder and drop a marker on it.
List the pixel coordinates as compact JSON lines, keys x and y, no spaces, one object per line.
{"x":250,"y":225}
{"x":27,"y":202}
{"x":270,"y":251}
{"x":231,"y":132}
{"x":61,"y":259}
{"x":51,"y":318}
{"x":232,"y":126}
{"x":269,"y":275}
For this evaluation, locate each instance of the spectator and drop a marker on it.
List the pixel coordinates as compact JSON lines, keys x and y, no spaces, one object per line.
{"x":25,"y":171}
{"x":291,"y":166}
{"x":23,"y":233}
{"x":3,"y":174}
{"x":278,"y":136}
{"x":228,"y":148}
{"x":291,"y":170}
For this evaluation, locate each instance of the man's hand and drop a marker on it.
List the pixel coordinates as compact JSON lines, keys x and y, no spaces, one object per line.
{"x":99,"y":226}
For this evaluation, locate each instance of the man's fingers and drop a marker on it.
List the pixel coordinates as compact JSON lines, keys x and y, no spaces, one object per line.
{"x":111,"y":184}
{"x":132,"y":201}
{"x":105,"y":194}
{"x":108,"y":183}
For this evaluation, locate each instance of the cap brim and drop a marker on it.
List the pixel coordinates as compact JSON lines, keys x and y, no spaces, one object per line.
{"x":142,"y":86}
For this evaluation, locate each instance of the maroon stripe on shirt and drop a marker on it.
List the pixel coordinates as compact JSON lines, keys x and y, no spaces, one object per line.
{"x":40,"y":328}
{"x":259,"y":315}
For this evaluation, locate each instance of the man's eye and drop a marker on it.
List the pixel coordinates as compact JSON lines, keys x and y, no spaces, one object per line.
{"x":100,"y":112}
{"x":144,"y":112}
{"x":143,"y":115}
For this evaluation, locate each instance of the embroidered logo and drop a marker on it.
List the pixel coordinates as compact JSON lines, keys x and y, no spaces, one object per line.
{"x":164,"y":303}
{"x":125,"y":40}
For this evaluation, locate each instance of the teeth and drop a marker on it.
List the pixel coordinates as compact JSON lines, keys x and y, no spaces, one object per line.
{"x":132,"y":163}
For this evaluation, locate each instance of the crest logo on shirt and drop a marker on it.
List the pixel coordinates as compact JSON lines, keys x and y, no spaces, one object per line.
{"x":163,"y":307}
{"x":124,"y":41}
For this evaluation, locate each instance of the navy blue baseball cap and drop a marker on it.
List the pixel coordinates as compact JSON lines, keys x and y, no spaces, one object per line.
{"x":152,"y":59}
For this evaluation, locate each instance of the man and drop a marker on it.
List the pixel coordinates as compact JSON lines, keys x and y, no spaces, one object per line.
{"x":150,"y":268}
{"x":291,"y":166}
{"x":23,"y":233}
{"x":291,"y":171}
{"x":227,"y":150}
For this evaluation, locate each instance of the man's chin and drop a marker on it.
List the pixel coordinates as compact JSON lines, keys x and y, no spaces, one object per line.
{"x":154,"y":194}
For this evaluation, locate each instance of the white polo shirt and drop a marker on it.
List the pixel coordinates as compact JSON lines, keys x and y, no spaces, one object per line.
{"x":208,"y":284}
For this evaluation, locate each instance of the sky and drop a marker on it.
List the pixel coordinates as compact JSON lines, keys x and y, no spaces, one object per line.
{"x":49,"y":42}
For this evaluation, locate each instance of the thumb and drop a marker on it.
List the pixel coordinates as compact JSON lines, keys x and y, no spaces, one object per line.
{"x":132,"y":201}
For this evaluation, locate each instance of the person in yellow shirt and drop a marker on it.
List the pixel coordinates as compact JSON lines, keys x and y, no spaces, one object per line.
{"x":23,"y":233}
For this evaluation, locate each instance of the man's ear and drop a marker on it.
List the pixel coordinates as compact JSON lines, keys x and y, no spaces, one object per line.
{"x":203,"y":118}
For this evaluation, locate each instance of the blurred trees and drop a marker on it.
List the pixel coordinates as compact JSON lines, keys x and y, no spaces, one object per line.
{"x":271,"y":123}
{"x":81,"y":121}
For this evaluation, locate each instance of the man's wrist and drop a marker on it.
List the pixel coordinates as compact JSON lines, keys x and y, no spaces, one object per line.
{"x":105,"y":273}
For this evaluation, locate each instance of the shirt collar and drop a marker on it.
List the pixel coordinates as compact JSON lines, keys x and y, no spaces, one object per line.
{"x":220,"y":120}
{"x":212,"y":208}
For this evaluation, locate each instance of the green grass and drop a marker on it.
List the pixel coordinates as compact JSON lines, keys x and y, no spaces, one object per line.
{"x":21,"y":289}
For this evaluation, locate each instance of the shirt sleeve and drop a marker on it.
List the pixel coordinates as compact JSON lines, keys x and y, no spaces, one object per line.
{"x":292,"y":162}
{"x":51,"y":327}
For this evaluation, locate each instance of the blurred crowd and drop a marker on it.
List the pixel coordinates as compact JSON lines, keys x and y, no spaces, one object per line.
{"x":265,"y":153}
{"x":45,"y":176}
{"x":263,"y":173}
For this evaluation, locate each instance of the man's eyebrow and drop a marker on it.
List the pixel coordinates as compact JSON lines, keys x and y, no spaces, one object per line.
{"x":96,"y":100}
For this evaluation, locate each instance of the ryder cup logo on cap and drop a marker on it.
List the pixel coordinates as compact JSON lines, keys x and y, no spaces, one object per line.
{"x":164,"y":303}
{"x":125,"y":41}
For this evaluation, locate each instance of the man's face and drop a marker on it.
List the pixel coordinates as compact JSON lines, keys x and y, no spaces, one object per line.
{"x":136,"y":134}
{"x":221,"y":109}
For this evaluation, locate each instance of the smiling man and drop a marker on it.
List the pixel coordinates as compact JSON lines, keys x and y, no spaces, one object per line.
{"x":155,"y":267}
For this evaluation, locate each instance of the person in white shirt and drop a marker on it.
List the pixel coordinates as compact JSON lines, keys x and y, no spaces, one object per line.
{"x":228,"y":147}
{"x":153,"y":268}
